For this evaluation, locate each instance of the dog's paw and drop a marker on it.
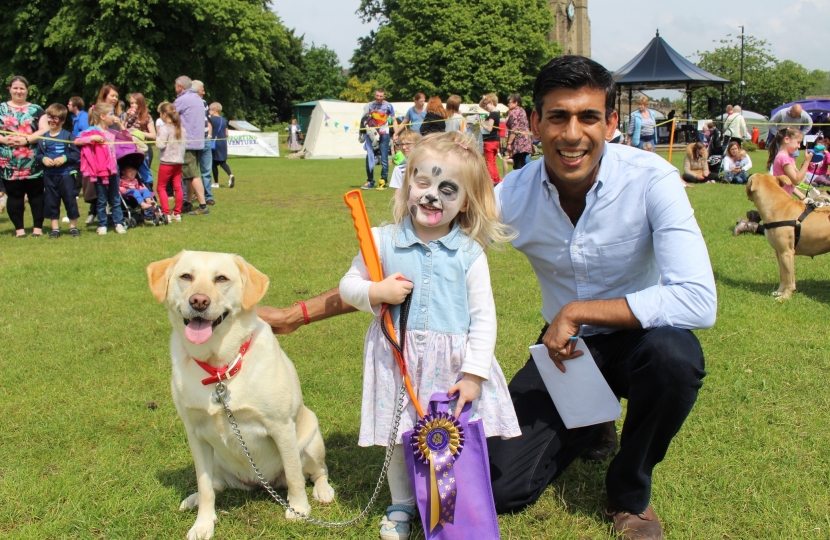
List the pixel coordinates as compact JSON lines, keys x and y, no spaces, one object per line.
{"x":202,"y":529}
{"x":304,"y":509}
{"x":189,"y":503}
{"x":323,"y":492}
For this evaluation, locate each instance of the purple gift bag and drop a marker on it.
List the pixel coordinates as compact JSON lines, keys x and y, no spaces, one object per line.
{"x":456,"y":488}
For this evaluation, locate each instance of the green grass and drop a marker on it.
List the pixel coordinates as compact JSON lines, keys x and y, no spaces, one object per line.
{"x":84,"y":348}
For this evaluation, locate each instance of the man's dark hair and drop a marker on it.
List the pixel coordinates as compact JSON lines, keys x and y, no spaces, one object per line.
{"x":77,"y":102}
{"x":379,"y":90}
{"x":574,"y":72}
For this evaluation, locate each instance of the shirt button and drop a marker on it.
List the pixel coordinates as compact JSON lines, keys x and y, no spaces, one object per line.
{"x":423,"y":310}
{"x":420,"y":337}
{"x":429,"y":253}
{"x":426,"y":281}
{"x":581,"y":278}
{"x":575,"y":249}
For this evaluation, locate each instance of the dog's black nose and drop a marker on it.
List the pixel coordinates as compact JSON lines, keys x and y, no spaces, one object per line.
{"x":199,"y":302}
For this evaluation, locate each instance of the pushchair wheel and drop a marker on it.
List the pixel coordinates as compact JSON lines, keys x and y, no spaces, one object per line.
{"x":131,"y":223}
{"x":164,"y":219}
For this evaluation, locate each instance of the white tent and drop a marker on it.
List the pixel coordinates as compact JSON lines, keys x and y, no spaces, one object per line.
{"x":333,"y":131}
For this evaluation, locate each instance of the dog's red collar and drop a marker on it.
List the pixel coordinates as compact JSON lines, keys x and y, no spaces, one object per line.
{"x":225,"y":373}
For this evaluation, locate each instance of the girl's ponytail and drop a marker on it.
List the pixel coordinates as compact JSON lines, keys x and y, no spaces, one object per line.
{"x":169,"y":110}
{"x":98,"y":111}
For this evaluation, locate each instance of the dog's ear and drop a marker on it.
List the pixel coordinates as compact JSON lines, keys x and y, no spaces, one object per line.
{"x":750,"y":186}
{"x":255,"y":283}
{"x":158,"y":274}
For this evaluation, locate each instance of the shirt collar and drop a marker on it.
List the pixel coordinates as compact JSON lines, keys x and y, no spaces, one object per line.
{"x":405,"y":235}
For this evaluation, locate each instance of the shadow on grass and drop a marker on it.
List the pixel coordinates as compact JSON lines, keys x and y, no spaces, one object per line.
{"x":353,"y":472}
{"x":813,"y":289}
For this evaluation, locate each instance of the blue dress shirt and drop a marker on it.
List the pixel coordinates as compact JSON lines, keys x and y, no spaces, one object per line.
{"x":636,"y":239}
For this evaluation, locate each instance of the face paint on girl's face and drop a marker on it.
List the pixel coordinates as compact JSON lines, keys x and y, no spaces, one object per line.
{"x":436,"y":195}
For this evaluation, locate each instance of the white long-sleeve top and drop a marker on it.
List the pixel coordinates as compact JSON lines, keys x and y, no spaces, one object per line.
{"x":729,"y":163}
{"x":481,"y":336}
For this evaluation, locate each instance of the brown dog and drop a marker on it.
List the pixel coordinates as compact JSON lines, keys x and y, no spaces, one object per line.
{"x":775,"y":205}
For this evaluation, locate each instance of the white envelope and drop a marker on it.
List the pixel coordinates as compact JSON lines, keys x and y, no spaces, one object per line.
{"x":581,"y":394}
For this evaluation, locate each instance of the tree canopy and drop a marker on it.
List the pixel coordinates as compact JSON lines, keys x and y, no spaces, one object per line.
{"x":321,"y":75}
{"x":240,"y":49}
{"x":769,"y":82}
{"x":442,"y":48}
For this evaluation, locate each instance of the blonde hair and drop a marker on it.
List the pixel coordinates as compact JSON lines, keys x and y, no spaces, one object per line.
{"x":169,"y":110}
{"x":643,"y":101}
{"x":215,"y":106}
{"x":99,"y":111}
{"x":490,"y":98}
{"x":408,"y":135}
{"x":480,"y":220}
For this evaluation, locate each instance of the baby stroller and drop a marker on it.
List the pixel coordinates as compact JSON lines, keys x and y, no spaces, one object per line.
{"x":128,"y":155}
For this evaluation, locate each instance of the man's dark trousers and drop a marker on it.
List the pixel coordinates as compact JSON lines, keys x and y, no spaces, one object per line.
{"x":659,"y":371}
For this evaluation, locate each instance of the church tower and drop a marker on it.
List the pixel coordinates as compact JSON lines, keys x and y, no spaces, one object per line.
{"x":571,"y":26}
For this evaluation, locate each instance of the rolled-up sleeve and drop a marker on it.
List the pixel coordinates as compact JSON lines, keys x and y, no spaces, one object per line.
{"x":686,"y":295}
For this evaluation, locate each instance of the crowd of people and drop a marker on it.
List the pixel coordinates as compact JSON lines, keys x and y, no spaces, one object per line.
{"x":511,"y":138}
{"x":107,"y":155}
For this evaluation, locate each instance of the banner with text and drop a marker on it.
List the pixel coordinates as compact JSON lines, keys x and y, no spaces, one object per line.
{"x":248,"y":143}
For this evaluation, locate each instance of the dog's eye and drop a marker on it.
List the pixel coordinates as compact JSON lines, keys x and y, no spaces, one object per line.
{"x":186,"y":277}
{"x":221,"y":279}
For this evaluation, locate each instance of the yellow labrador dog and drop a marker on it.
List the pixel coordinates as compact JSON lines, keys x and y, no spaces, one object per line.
{"x":775,"y":206}
{"x":211,"y":300}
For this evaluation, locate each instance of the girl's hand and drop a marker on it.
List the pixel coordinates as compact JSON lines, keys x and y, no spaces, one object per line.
{"x":97,"y":138}
{"x":49,"y":162}
{"x":390,"y":290}
{"x":468,"y":388}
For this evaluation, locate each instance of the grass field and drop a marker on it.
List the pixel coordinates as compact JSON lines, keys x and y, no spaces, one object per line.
{"x":84,"y":349}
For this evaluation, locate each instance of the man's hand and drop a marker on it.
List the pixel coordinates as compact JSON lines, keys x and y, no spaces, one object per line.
{"x":558,"y":339}
{"x":468,"y":388}
{"x":390,"y":290}
{"x":278,"y":319}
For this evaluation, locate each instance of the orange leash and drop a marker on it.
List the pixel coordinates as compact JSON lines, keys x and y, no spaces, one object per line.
{"x":369,"y":251}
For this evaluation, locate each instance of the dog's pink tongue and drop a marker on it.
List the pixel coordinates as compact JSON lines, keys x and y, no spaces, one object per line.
{"x":198,"y":331}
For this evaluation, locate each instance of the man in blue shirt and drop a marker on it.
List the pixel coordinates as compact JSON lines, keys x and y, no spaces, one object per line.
{"x":80,"y":119}
{"x":621,"y":262}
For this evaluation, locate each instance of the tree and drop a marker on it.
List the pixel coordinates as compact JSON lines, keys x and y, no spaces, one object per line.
{"x":322,"y":75}
{"x":443,"y":48}
{"x":239,"y":49}
{"x":357,"y":91}
{"x":769,"y":82}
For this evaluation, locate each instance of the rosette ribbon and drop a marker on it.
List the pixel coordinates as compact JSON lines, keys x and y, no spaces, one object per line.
{"x":438,"y":440}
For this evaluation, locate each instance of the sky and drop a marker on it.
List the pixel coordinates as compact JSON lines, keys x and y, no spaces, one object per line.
{"x":798,"y":30}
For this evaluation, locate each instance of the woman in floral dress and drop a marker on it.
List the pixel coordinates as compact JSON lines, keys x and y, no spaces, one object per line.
{"x":21,"y":174}
{"x":519,"y":145}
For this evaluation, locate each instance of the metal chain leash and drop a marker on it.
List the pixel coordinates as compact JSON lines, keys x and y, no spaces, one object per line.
{"x":221,"y":392}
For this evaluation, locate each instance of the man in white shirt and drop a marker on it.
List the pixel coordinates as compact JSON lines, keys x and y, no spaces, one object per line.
{"x":621,"y":262}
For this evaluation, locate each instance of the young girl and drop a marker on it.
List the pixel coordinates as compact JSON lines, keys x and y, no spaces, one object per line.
{"x":171,"y":145}
{"x":782,"y":153}
{"x":818,"y":175}
{"x":445,"y":218}
{"x":98,"y":165}
{"x":220,"y":147}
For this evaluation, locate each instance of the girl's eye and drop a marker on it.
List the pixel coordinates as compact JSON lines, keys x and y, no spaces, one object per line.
{"x":221,"y":279}
{"x":186,"y":277}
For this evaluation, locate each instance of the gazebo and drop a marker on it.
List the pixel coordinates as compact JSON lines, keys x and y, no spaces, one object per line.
{"x":658,"y":66}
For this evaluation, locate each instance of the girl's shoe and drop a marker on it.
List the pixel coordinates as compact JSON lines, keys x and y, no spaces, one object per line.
{"x":177,"y":218}
{"x":231,"y":181}
{"x":397,"y":530}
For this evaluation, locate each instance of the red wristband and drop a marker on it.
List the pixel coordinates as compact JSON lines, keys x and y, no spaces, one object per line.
{"x":306,"y":320}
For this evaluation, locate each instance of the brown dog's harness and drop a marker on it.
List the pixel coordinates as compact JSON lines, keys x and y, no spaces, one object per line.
{"x":795,"y":223}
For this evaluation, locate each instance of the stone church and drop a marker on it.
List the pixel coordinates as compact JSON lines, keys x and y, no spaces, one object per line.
{"x":571,"y":27}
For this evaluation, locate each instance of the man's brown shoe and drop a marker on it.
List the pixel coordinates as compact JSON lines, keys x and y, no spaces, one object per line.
{"x":644,"y":526}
